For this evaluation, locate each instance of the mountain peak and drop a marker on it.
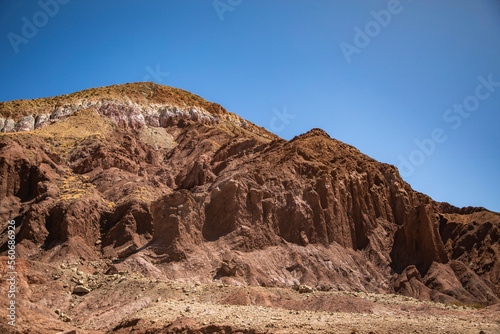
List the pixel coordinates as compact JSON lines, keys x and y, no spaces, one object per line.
{"x":141,"y":93}
{"x":130,"y":105}
{"x":316,"y":132}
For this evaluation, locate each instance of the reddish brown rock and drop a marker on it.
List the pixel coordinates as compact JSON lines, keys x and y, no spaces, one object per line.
{"x":208,"y":196}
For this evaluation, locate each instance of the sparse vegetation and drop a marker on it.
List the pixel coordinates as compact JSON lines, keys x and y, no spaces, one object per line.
{"x":62,"y":137}
{"x":74,"y":187}
{"x":140,"y":92}
{"x":476,"y":306}
{"x":144,"y":194}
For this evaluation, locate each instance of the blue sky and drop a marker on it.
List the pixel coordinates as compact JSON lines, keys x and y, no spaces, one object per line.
{"x":388,"y":77}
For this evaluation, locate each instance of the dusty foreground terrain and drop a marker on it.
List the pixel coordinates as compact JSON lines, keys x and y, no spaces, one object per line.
{"x":130,"y":303}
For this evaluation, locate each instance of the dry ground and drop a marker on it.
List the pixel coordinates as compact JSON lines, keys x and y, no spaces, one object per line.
{"x":130,"y":303}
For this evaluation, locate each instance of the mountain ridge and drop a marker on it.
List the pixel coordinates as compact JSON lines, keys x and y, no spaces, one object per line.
{"x":181,"y":193}
{"x":142,"y":91}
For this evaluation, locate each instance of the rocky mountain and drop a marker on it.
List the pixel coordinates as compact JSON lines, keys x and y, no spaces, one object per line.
{"x":164,"y":183}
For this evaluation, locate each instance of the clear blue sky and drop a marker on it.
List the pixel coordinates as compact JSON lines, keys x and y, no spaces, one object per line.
{"x":380,"y":89}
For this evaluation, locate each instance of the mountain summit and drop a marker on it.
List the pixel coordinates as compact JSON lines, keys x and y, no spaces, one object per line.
{"x":149,"y":179}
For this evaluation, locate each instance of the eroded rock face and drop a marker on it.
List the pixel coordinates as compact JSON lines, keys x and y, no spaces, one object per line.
{"x":222,"y":199}
{"x":25,"y":124}
{"x":9,"y":125}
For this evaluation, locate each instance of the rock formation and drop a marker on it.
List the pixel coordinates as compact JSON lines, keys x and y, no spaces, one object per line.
{"x":170,"y":185}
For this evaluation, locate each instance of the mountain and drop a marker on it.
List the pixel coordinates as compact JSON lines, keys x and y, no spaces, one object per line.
{"x":150,"y":179}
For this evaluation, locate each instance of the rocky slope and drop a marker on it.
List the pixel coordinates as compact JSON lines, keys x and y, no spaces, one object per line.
{"x":132,"y":303}
{"x":169,"y":185}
